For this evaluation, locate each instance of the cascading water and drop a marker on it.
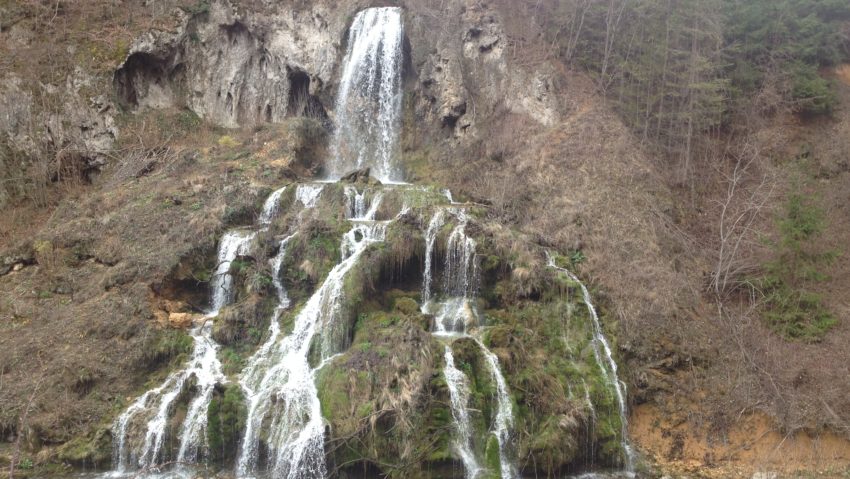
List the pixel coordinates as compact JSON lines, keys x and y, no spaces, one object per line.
{"x":271,"y":207}
{"x":504,"y":413}
{"x":207,"y":370}
{"x":204,"y":366}
{"x":233,"y":244}
{"x":280,"y":382}
{"x":452,"y":316}
{"x":259,"y":362}
{"x":456,"y":312}
{"x":430,"y":239}
{"x":461,"y":268}
{"x":605,"y":359}
{"x":368,"y":104}
{"x":458,"y":385}
{"x":258,"y":365}
{"x":309,"y":194}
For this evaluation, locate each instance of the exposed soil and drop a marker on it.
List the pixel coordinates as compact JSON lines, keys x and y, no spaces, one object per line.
{"x":752,"y":445}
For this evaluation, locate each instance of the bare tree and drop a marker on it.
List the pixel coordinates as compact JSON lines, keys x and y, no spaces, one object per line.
{"x":740,"y":208}
{"x":612,"y":27}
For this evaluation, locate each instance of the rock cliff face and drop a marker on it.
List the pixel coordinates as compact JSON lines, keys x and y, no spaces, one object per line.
{"x":466,"y":72}
{"x":236,"y":67}
{"x":242,"y":67}
{"x":77,"y":127}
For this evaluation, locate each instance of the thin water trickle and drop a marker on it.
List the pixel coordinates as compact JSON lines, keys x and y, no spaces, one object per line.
{"x":207,"y":370}
{"x":271,"y":207}
{"x":458,"y":385}
{"x":605,"y":359}
{"x":504,"y":423}
{"x":448,"y":194}
{"x":233,"y":244}
{"x":430,"y":240}
{"x":454,"y":315}
{"x":460,"y":278}
{"x":309,"y":194}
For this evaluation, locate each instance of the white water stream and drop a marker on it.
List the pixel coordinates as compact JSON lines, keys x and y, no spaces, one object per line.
{"x":430,"y":239}
{"x":368,"y":104}
{"x":458,"y":385}
{"x":204,"y":366}
{"x":453,"y":316}
{"x":279,"y":381}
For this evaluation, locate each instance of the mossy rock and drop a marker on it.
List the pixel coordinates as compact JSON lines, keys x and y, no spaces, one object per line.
{"x":226,"y":416}
{"x":91,"y":451}
{"x":244,"y":323}
{"x":406,"y":306}
{"x":492,"y":458}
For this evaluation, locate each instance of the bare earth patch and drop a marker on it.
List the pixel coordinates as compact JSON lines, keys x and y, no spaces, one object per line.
{"x":752,"y":445}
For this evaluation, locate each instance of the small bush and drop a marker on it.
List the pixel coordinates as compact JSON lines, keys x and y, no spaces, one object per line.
{"x":203,"y":6}
{"x":227,"y":141}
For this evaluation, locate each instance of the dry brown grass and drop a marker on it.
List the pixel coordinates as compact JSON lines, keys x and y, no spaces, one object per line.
{"x":64,"y":34}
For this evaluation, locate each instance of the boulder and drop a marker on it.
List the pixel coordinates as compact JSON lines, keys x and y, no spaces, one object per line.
{"x":362,"y":175}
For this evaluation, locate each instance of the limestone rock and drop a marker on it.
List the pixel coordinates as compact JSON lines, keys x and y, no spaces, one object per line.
{"x":362,"y":176}
{"x":236,"y":68}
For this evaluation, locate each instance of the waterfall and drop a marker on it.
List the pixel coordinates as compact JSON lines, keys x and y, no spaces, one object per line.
{"x":233,"y":244}
{"x":453,"y":315}
{"x":430,"y":239}
{"x":460,"y":280}
{"x":271,"y":207}
{"x":460,"y":276}
{"x":280,"y":383}
{"x":368,"y":104}
{"x":309,"y":194}
{"x":504,"y":414}
{"x":448,"y":194}
{"x":458,"y":385}
{"x":257,"y":364}
{"x":207,"y":370}
{"x":605,"y":359}
{"x":355,"y":202}
{"x":203,"y":365}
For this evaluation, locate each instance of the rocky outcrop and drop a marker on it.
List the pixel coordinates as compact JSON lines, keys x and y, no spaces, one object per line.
{"x":362,"y":176}
{"x":67,"y":126}
{"x":236,"y":68}
{"x":467,"y":73}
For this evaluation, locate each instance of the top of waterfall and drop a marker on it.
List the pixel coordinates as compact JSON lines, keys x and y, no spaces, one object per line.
{"x":368,"y":104}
